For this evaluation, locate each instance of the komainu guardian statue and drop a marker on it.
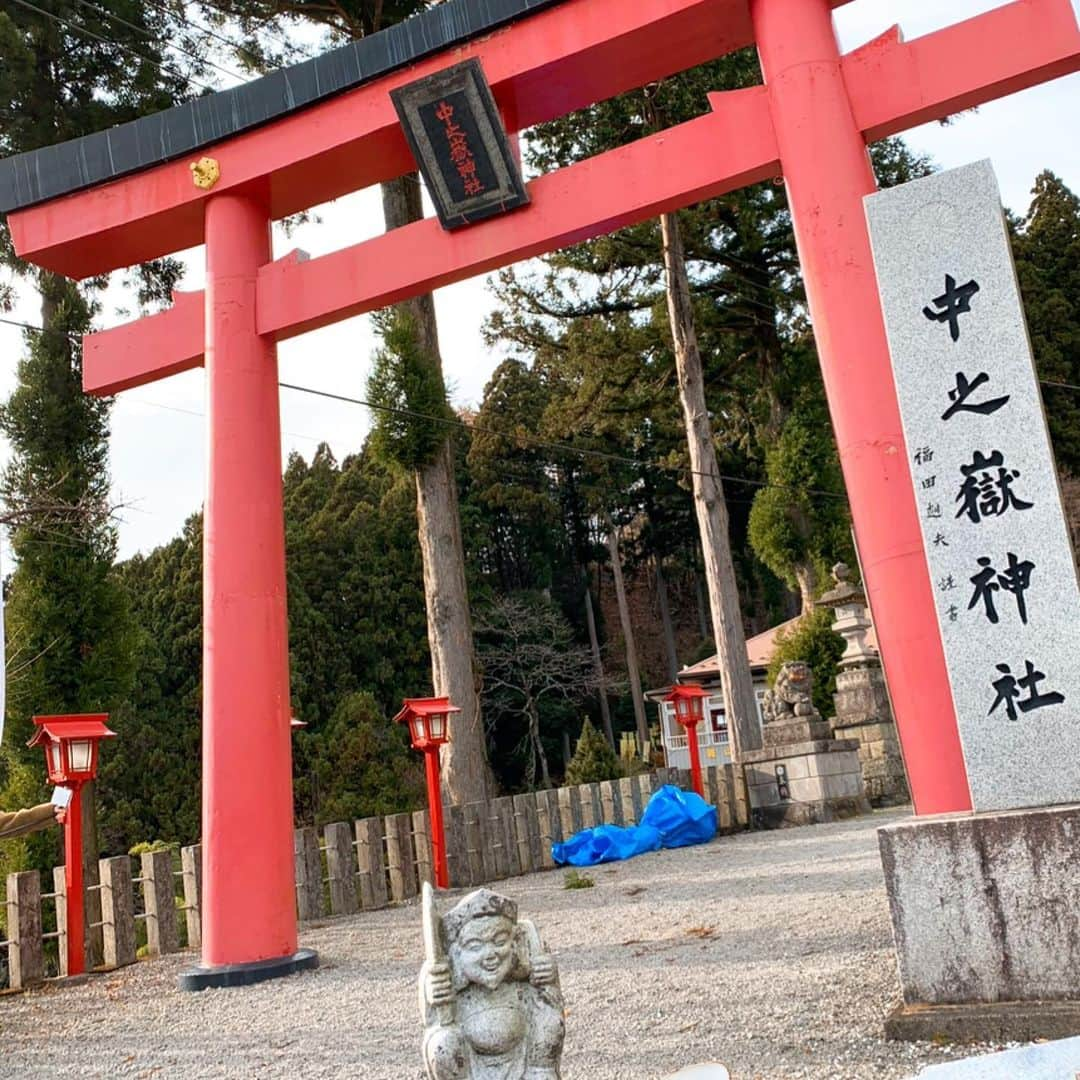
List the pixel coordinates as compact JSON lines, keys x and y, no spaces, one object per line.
{"x":791,"y":696}
{"x":489,"y":993}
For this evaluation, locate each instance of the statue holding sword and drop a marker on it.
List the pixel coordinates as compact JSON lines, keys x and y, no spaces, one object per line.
{"x":489,"y":993}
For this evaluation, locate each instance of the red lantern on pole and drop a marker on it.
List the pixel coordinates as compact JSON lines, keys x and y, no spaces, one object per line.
{"x":71,"y":753}
{"x":427,"y":720}
{"x":688,"y":703}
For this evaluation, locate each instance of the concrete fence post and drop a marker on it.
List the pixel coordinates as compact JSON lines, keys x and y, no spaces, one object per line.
{"x":26,"y":953}
{"x":421,"y":825}
{"x":341,"y":868}
{"x":117,"y":910}
{"x":570,"y":810}
{"x":372,"y":862}
{"x":457,"y":848}
{"x":60,"y":900}
{"x":476,"y":831}
{"x":631,"y":805}
{"x":309,"y":884}
{"x":191,"y":865}
{"x":400,"y":861}
{"x":528,"y":836}
{"x":159,"y":903}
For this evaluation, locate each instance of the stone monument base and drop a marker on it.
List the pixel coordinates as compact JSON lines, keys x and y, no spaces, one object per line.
{"x":986,"y":924}
{"x":998,"y":1022}
{"x":804,"y":783}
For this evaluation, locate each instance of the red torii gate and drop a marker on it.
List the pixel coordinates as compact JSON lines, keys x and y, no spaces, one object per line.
{"x":811,"y":122}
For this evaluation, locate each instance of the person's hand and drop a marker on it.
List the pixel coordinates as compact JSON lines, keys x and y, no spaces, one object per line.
{"x":439,"y":989}
{"x":60,"y":814}
{"x":543,"y":970}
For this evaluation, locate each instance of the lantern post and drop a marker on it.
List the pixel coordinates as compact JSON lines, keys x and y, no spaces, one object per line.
{"x":427,"y":722}
{"x":688,"y":703}
{"x":71,"y":752}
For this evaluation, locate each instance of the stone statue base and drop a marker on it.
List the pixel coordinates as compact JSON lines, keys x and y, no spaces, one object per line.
{"x":801,"y":775}
{"x":804,"y":783}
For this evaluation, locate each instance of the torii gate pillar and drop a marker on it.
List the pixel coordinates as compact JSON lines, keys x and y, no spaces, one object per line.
{"x":248,"y":904}
{"x":827,"y":173}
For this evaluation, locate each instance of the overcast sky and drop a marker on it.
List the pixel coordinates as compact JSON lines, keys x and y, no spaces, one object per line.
{"x":158,"y":431}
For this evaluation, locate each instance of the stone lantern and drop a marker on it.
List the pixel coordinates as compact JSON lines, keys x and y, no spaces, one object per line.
{"x":862,"y":704}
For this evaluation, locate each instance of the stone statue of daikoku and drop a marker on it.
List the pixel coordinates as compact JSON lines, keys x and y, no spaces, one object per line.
{"x":489,"y":993}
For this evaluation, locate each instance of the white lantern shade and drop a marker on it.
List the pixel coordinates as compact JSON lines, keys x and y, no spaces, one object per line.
{"x":80,"y":752}
{"x":438,"y":722}
{"x":418,"y":733}
{"x":53,"y":751}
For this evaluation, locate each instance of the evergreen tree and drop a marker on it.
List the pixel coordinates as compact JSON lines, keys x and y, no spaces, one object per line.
{"x":593,"y":759}
{"x":1046,"y":244}
{"x":65,"y":72}
{"x":151,"y":776}
{"x":361,"y":765}
{"x":799,"y":523}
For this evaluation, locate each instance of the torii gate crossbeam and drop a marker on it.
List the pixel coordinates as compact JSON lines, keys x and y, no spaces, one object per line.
{"x":811,"y":121}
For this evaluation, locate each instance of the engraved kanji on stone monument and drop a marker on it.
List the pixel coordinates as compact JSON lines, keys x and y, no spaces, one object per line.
{"x":996,"y":543}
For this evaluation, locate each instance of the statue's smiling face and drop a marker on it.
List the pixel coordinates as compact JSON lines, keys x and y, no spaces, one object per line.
{"x":486,"y":950}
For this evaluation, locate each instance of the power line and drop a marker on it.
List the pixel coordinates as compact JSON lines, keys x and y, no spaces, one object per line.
{"x":357,"y":401}
{"x":258,"y":22}
{"x":202,"y":416}
{"x":34,"y":329}
{"x":602,"y":455}
{"x":150,"y":34}
{"x":114,"y":44}
{"x":237,"y":46}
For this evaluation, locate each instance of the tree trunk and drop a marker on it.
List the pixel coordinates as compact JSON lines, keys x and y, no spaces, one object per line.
{"x":739,"y":699}
{"x":465,"y":773}
{"x":702,"y":604}
{"x":670,"y":652}
{"x":806,"y":576}
{"x":598,"y":664}
{"x":538,"y":747}
{"x":628,"y":637}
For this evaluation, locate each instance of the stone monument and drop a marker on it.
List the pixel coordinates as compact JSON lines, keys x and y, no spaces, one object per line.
{"x":862,"y":699}
{"x":489,"y":993}
{"x":801,"y":775}
{"x":984,"y":904}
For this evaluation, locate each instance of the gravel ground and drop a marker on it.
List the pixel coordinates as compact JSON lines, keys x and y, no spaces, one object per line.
{"x":770,"y":952}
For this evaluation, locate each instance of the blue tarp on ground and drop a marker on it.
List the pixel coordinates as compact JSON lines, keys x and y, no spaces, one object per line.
{"x":606,"y":843}
{"x":673,"y":818}
{"x":682,"y":817}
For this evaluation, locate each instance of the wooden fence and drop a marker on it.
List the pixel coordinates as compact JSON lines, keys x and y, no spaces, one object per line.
{"x":350,"y":868}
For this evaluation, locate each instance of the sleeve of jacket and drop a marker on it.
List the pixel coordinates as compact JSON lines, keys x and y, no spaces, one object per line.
{"x":22,"y":822}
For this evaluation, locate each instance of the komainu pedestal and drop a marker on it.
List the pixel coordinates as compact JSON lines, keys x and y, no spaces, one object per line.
{"x":489,"y":993}
{"x":801,"y":775}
